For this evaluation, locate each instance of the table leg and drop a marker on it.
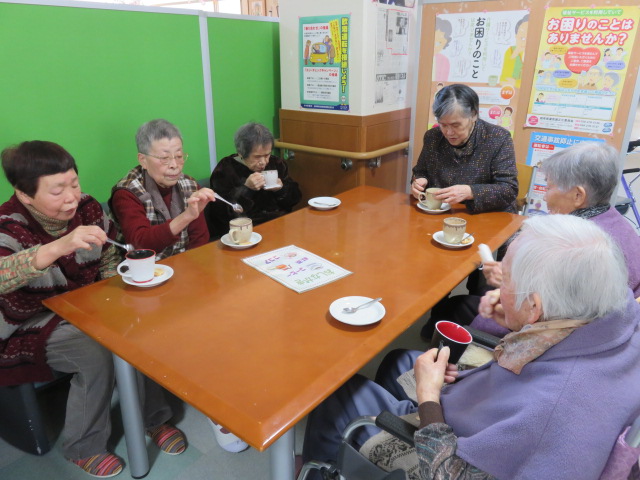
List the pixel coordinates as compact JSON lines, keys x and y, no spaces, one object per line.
{"x":131,"y":418}
{"x":282,"y":457}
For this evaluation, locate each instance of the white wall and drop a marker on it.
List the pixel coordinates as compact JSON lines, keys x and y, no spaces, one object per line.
{"x":362,"y":51}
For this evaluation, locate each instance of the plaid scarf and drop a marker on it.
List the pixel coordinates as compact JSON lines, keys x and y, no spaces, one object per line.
{"x":145,"y":188}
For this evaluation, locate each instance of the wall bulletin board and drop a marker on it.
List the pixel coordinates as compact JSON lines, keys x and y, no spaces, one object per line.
{"x":569,"y":71}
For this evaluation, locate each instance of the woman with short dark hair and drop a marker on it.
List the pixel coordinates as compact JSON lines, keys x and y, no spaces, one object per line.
{"x":53,"y":239}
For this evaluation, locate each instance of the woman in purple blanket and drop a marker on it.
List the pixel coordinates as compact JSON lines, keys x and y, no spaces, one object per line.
{"x":580,"y":181}
{"x":560,"y":390}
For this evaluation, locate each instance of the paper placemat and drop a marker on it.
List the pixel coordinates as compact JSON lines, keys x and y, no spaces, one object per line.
{"x":296,"y":268}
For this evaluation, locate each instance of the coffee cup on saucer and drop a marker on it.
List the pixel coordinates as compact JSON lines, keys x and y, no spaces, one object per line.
{"x":428,"y":199}
{"x":240,"y":230}
{"x":140,"y":265}
{"x":453,"y":229}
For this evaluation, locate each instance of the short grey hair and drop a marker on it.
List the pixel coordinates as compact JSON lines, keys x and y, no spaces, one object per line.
{"x":575,"y":267}
{"x":456,"y":97}
{"x":592,"y":166}
{"x":155,"y":130}
{"x":251,"y":135}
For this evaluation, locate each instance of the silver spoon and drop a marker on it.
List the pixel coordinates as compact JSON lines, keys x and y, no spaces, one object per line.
{"x":467,"y":235}
{"x":128,"y":247}
{"x":355,"y":309}
{"x":236,"y":207}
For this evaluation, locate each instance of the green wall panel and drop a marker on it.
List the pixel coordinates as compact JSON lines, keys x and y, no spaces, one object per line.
{"x":245,"y":77}
{"x":88,"y":78}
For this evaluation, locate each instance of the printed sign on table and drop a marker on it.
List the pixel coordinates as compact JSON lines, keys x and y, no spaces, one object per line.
{"x":296,"y":268}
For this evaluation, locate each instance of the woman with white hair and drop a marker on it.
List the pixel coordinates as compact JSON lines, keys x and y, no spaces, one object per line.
{"x":541,"y":404}
{"x":581,"y":180}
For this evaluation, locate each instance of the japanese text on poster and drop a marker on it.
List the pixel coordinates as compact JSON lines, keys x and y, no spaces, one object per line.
{"x":541,"y":146}
{"x":581,"y":66}
{"x":392,"y":58}
{"x":324,"y":65}
{"x":296,"y":268}
{"x":484,"y":50}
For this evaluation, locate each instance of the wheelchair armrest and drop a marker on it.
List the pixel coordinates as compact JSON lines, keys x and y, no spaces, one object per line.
{"x":396,"y":426}
{"x":483,"y":338}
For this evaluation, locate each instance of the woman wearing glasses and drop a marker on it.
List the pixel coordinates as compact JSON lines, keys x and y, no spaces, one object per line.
{"x":155,"y":204}
{"x":471,"y":160}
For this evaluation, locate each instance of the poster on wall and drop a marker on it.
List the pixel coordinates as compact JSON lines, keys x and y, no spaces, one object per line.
{"x":581,"y":67}
{"x":484,"y":50}
{"x":392,"y":57}
{"x":541,"y":146}
{"x":324,"y":62}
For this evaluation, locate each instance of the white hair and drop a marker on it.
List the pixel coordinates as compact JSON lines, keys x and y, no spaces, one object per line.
{"x":575,"y":267}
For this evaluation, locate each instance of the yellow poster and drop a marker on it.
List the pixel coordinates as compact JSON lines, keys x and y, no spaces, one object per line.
{"x":581,"y":67}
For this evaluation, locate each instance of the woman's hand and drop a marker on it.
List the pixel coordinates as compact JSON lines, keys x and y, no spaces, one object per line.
{"x":490,"y":306}
{"x":492,"y":273}
{"x":418,"y":186}
{"x":197,"y":201}
{"x":432,"y":370}
{"x":83,"y":237}
{"x":255,"y":181}
{"x":455,"y":194}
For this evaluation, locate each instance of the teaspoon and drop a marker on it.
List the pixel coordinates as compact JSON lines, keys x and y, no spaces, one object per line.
{"x":236,"y":207}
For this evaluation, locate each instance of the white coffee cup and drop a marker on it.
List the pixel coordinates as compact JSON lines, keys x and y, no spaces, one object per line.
{"x":270,"y":178}
{"x":240,"y":230}
{"x":428,"y":199}
{"x":140,"y":265}
{"x":453,"y":229}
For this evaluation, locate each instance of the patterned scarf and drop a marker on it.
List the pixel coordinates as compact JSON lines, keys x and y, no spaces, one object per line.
{"x":517,"y":349}
{"x":145,"y":188}
{"x":590,"y":212}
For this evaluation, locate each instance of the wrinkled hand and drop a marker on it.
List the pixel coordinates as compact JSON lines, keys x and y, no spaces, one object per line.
{"x":198,"y":200}
{"x":431,"y":371}
{"x":418,"y":186}
{"x":455,"y":194}
{"x":255,"y":181}
{"x":492,"y":273}
{"x":490,"y":306}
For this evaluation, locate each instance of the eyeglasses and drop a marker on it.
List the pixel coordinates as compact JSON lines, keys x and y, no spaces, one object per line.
{"x":180,"y":158}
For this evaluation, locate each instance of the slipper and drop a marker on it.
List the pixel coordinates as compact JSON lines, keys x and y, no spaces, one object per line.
{"x":103,"y":465}
{"x":227,"y":440}
{"x":170,"y":440}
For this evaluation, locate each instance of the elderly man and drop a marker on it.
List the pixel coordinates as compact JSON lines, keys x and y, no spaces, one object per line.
{"x":580,"y":181}
{"x":541,"y":404}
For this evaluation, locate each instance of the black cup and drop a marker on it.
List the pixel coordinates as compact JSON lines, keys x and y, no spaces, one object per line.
{"x":140,"y":254}
{"x":452,"y":335}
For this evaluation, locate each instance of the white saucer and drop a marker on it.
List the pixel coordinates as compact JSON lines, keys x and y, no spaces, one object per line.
{"x":365,"y":316}
{"x":255,"y":239}
{"x":445,"y":207}
{"x":439,"y":237}
{"x":166,"y":275}
{"x":324,"y":203}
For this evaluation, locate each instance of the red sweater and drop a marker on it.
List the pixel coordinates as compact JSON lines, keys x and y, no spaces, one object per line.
{"x":138,"y":231}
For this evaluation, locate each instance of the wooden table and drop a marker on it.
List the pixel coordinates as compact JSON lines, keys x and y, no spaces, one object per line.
{"x":256,"y":356}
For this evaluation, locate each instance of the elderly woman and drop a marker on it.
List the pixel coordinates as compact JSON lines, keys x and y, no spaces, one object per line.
{"x":239,"y":179}
{"x":471,"y":160}
{"x":581,"y":180}
{"x":53,"y":240}
{"x":155,"y":204}
{"x":537,"y":408}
